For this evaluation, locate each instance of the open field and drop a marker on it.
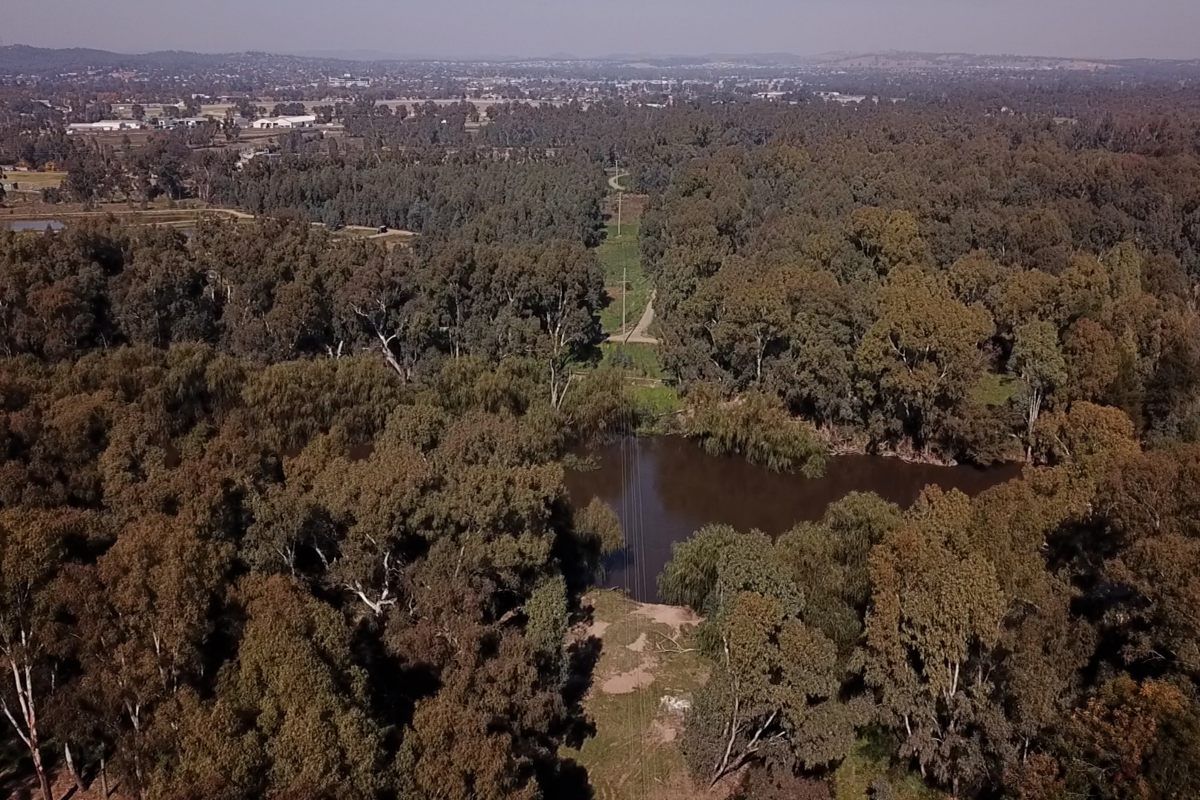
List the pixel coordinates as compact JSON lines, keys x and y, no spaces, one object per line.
{"x":389,"y":238}
{"x":217,"y":110}
{"x":123,"y":212}
{"x":139,"y":138}
{"x":642,"y":683}
{"x":656,"y":403}
{"x":995,"y":390}
{"x":654,"y":399}
{"x":35,"y":181}
{"x":118,"y":138}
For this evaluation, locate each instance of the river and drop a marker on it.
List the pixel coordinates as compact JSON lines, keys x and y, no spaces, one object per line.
{"x":665,"y":488}
{"x":36,"y":225}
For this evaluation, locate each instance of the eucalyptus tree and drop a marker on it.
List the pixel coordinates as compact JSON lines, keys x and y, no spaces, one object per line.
{"x":35,"y":548}
{"x":935,"y":618}
{"x":1038,"y":359}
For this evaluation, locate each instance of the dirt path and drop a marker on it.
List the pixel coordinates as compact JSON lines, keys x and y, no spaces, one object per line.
{"x":189,"y":216}
{"x":229,"y":211}
{"x":122,"y":211}
{"x":614,"y":182}
{"x":641,"y":332}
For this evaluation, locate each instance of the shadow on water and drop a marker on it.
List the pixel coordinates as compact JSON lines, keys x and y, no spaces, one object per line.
{"x":665,"y":488}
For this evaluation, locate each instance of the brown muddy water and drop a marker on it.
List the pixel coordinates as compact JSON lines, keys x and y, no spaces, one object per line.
{"x":664,"y":488}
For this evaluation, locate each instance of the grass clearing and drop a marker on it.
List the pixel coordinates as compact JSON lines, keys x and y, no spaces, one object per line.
{"x":186,"y":217}
{"x":655,"y":403}
{"x":621,"y":255}
{"x":640,"y":360}
{"x":870,"y":761}
{"x":634,"y":752}
{"x":995,"y":389}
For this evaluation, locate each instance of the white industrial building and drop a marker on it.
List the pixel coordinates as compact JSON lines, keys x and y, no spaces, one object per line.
{"x":306,"y":121}
{"x":105,"y":126}
{"x":349,"y":81}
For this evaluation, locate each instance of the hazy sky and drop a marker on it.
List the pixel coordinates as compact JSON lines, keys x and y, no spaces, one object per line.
{"x":1100,"y":28}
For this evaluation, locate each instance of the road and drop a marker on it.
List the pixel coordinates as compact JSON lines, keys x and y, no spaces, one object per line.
{"x":188,"y":217}
{"x":641,"y":332}
{"x":614,"y":182}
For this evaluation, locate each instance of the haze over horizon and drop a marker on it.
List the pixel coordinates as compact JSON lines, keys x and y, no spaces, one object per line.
{"x":477,"y":28}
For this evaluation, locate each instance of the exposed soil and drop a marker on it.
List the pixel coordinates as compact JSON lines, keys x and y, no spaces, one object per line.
{"x":597,"y":628}
{"x":639,"y":677}
{"x":665,"y":731}
{"x":674,"y":617}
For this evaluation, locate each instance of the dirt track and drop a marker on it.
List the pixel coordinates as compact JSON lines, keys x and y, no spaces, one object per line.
{"x":641,"y":332}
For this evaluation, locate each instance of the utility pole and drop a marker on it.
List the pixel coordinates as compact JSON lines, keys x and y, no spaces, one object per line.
{"x":620,"y":194}
{"x":624,"y":267}
{"x":624,"y":294}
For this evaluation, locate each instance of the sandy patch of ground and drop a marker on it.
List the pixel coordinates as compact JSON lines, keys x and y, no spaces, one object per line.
{"x":674,"y":617}
{"x":597,"y":628}
{"x":638,"y":644}
{"x":664,"y":732}
{"x":631,"y":681}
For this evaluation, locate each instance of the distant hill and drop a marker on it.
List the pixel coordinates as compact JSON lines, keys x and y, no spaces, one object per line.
{"x":349,"y":55}
{"x":897,"y":60}
{"x":903,"y":61}
{"x":24,"y":58}
{"x":19,"y":57}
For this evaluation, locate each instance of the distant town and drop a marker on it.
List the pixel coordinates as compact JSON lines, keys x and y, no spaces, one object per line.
{"x":246,"y":103}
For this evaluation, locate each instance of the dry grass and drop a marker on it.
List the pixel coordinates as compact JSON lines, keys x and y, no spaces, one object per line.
{"x":215,"y":109}
{"x":35,"y":181}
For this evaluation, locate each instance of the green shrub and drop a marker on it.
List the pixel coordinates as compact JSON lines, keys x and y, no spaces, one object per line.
{"x":758,"y":428}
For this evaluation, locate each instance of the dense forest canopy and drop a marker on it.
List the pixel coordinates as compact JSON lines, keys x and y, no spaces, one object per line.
{"x":282,"y":290}
{"x":282,"y":512}
{"x":196,"y":452}
{"x":492,"y":200}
